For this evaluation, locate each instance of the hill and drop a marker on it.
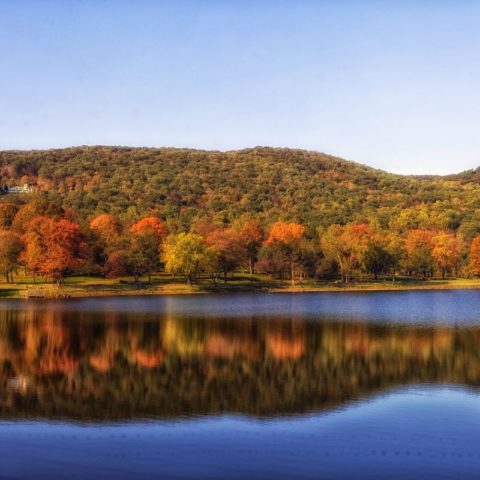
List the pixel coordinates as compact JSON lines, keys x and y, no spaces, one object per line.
{"x":183,"y":184}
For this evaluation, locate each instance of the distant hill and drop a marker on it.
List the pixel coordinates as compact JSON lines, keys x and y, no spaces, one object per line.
{"x":272,"y":183}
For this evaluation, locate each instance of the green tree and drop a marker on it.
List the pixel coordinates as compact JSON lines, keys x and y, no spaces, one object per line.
{"x":143,"y":255}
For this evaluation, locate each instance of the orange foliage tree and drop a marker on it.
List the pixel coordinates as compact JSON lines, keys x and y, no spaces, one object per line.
{"x":287,"y":236}
{"x":34,"y":246}
{"x":446,"y":252}
{"x":23,"y":217}
{"x":419,"y":248}
{"x":106,"y":227}
{"x":151,"y":225}
{"x":251,"y":235}
{"x":358,"y":237}
{"x":54,"y":246}
{"x":475,"y":255}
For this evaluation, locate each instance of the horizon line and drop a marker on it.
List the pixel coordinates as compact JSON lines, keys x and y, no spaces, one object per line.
{"x":256,"y":147}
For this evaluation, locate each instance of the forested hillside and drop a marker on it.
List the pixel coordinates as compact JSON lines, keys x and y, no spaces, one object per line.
{"x":293,"y":214}
{"x":274,"y":184}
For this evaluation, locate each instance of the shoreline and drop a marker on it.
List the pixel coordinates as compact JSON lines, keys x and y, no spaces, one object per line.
{"x":75,"y":288}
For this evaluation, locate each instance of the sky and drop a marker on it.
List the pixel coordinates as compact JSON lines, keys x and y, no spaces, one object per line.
{"x":391,"y":84}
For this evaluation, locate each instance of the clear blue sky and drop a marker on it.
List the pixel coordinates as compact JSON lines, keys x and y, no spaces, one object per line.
{"x":393,"y":84}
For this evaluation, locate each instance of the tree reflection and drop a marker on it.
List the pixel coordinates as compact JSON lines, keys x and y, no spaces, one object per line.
{"x":107,"y":366}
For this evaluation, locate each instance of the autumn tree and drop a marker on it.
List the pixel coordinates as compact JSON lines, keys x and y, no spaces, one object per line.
{"x":377,"y":259}
{"x":348,"y":246}
{"x":104,"y":237}
{"x":152,"y":225}
{"x":54,"y":246}
{"x":35,"y":247}
{"x":227,"y":249}
{"x":184,"y":255}
{"x":7,"y":214}
{"x":11,"y":246}
{"x":446,"y":252}
{"x":335,"y":248}
{"x":251,"y":235}
{"x":412,"y":218}
{"x":24,"y":217}
{"x":419,"y":251}
{"x":362,"y":245}
{"x":144,"y":255}
{"x":382,"y":251}
{"x":66,"y":248}
{"x":287,"y":236}
{"x":106,"y":227}
{"x":475,"y":255}
{"x":117,"y":264}
{"x":147,"y":236}
{"x":394,"y":245}
{"x":273,"y":261}
{"x":203,"y":226}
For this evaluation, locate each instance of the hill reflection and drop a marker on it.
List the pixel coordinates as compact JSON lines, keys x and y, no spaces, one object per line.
{"x":108,"y":366}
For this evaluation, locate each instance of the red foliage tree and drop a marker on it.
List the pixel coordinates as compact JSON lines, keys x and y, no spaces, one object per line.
{"x":287,"y":236}
{"x":54,"y":246}
{"x":229,"y":251}
{"x":117,"y":265}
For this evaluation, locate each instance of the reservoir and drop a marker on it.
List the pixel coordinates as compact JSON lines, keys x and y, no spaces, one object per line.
{"x":311,"y":385}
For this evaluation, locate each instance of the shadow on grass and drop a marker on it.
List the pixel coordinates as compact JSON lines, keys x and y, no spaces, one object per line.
{"x":9,"y":292}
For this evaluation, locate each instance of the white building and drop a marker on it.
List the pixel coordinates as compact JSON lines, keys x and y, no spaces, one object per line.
{"x":26,"y":188}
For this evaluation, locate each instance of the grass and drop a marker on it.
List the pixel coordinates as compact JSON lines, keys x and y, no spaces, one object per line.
{"x":162,"y":284}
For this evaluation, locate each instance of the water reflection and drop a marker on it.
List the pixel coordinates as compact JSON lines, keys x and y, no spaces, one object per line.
{"x":113,"y":365}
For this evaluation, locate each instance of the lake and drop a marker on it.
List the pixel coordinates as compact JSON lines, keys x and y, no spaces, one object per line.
{"x":314,"y":385}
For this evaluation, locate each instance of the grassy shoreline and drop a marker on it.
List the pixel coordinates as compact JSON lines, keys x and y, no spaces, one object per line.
{"x":84,"y":287}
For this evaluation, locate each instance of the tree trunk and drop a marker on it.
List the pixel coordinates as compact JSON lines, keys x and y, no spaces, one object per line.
{"x":292,"y":268}
{"x":342,"y":269}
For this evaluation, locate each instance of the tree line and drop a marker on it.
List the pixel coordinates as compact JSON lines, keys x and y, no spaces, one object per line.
{"x":51,"y":241}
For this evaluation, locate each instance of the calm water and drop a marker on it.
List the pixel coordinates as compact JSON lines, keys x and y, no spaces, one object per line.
{"x":370,"y":385}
